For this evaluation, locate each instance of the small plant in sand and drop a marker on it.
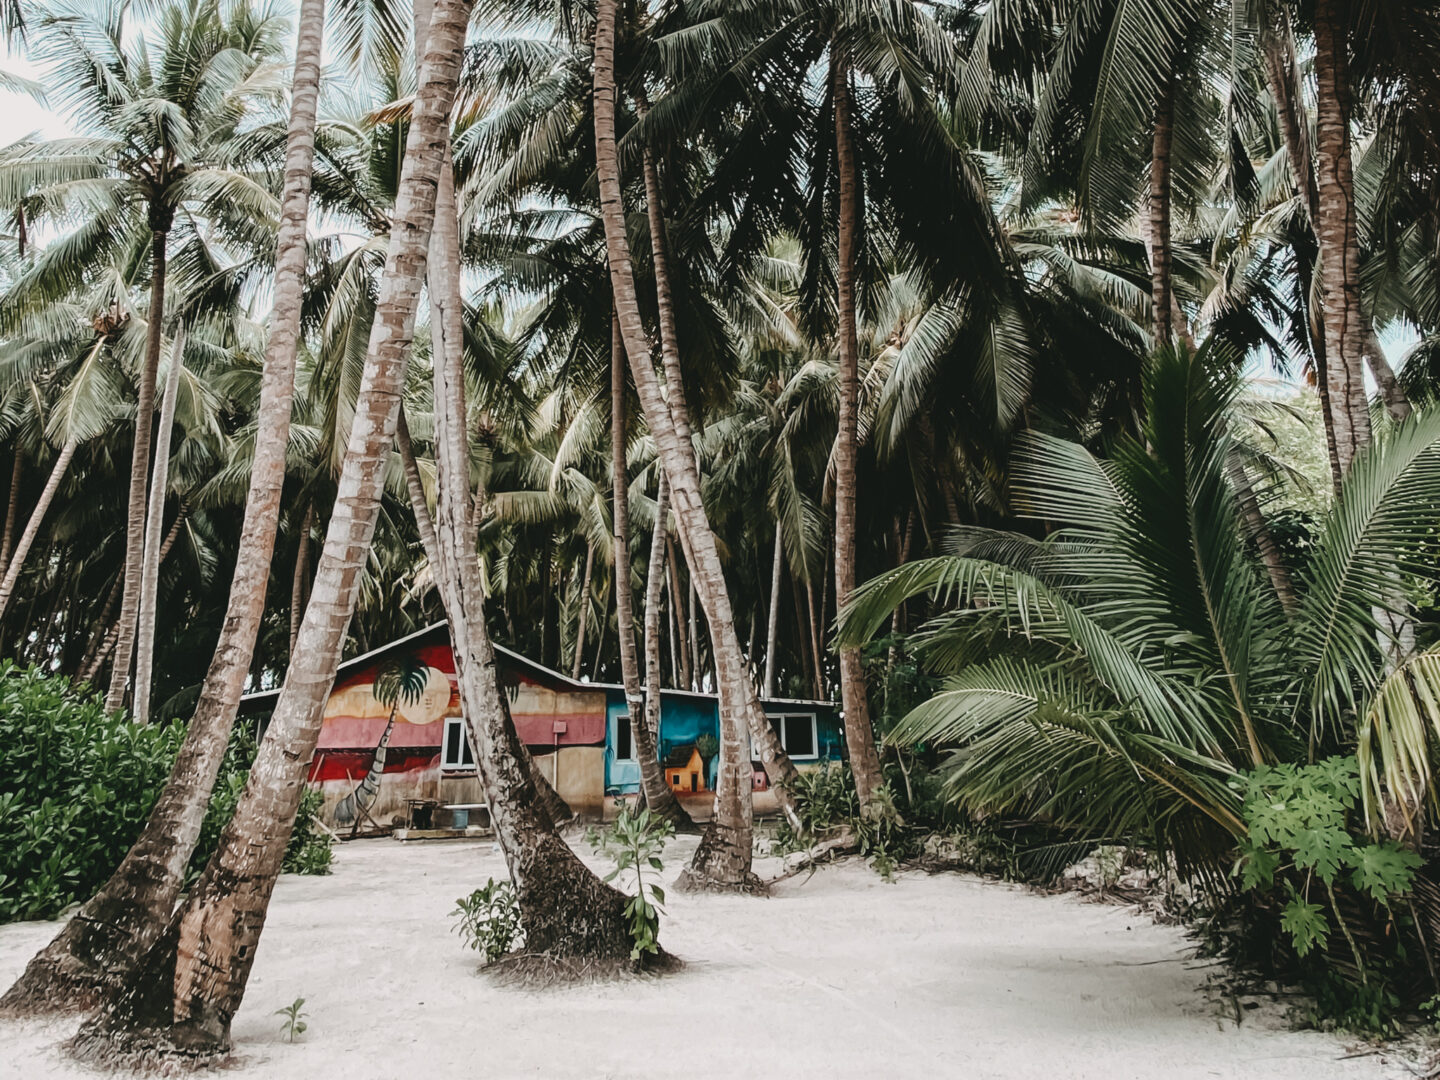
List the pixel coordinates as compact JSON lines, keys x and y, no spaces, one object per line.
{"x":489,"y":919}
{"x":293,"y":1026}
{"x":635,"y":841}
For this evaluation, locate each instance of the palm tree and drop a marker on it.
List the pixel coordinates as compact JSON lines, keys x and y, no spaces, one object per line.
{"x":96,"y":951}
{"x":164,"y":115}
{"x":659,"y":798}
{"x":1115,"y":676}
{"x":172,"y":1004}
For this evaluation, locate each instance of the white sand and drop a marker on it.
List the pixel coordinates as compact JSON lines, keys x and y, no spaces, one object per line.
{"x":839,"y":975}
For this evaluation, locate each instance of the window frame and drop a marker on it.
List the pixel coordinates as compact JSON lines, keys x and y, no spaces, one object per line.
{"x":777,"y":723}
{"x":466,"y":749}
{"x":633,"y":759}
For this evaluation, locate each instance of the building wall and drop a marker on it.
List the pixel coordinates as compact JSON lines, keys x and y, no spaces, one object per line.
{"x":564,"y":729}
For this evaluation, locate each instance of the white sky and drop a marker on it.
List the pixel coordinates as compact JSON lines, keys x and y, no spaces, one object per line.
{"x":20,"y":114}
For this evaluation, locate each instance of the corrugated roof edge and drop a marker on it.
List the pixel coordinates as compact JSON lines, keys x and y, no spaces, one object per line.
{"x":525,"y":661}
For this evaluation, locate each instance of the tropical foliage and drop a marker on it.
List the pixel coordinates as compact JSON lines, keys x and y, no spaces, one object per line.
{"x":1002,"y":368}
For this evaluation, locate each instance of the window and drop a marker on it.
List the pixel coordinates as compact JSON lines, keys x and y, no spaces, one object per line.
{"x":797,"y":735}
{"x":456,"y":752}
{"x":624,"y":739}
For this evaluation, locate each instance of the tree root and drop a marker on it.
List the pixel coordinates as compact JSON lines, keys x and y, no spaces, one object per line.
{"x":148,"y":1051}
{"x":845,"y":843}
{"x":53,"y":986}
{"x":691,"y":880}
{"x":541,"y":971}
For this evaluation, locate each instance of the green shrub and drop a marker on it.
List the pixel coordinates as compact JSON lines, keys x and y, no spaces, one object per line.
{"x":309,"y":850}
{"x":75,"y":787}
{"x":488,"y":920}
{"x":635,"y":841}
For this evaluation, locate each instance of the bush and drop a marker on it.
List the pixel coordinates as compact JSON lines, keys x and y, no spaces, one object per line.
{"x":75,"y":787}
{"x":488,"y":920}
{"x":309,"y":849}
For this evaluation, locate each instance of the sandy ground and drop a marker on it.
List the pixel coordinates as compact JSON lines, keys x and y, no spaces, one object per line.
{"x":837,"y":975}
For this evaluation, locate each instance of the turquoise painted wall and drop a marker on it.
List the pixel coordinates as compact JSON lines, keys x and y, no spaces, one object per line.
{"x":684,"y":718}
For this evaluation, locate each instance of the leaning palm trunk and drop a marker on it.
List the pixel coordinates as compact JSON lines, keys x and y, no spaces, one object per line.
{"x":347,"y":810}
{"x":160,"y":219}
{"x":1344,"y":321}
{"x":300,"y":579}
{"x":658,"y":796}
{"x":582,"y":615}
{"x":1259,"y":529}
{"x":32,"y":526}
{"x":100,"y":946}
{"x":1285,"y":82}
{"x":777,"y":763}
{"x":772,"y":629}
{"x":12,"y":509}
{"x":654,"y":589}
{"x":859,"y":732}
{"x":723,"y":856}
{"x":155,"y":521}
{"x":568,"y":913}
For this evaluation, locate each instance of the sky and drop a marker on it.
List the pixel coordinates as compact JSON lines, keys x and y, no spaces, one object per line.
{"x":20,"y":114}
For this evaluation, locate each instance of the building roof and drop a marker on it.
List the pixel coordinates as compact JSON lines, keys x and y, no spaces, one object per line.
{"x":680,"y":755}
{"x":549,"y":674}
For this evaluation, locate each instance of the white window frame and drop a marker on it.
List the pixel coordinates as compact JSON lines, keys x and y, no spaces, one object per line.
{"x":447,"y":765}
{"x":615,"y":740}
{"x":814,"y":754}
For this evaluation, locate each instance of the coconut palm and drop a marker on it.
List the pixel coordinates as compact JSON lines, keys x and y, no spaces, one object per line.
{"x":162,"y":106}
{"x":120,"y":920}
{"x":1114,"y":676}
{"x":172,"y":1005}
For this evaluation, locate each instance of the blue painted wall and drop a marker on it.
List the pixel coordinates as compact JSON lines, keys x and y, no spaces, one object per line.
{"x":684,"y":718}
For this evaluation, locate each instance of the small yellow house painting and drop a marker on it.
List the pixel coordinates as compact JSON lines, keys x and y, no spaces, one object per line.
{"x":685,"y":769}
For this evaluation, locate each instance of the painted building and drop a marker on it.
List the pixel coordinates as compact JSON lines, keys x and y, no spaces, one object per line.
{"x":578,"y":732}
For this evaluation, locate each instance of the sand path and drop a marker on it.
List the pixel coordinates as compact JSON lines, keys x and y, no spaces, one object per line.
{"x":837,"y":975}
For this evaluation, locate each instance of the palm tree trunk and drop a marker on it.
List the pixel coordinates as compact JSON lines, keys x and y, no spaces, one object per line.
{"x":1162,"y":290}
{"x":817,"y":657}
{"x":696,"y":675}
{"x":654,"y":583}
{"x":103,"y":638}
{"x":180,"y":996}
{"x":583,"y":611}
{"x":1285,"y":82}
{"x":155,"y":521}
{"x":772,"y":630}
{"x":723,"y":856}
{"x":12,"y":509}
{"x":32,"y":528}
{"x":682,"y":639}
{"x":1259,"y":530}
{"x":1344,"y":322}
{"x":140,"y":465}
{"x":301,"y":577}
{"x":101,"y":946}
{"x":567,"y":912}
{"x":558,"y":809}
{"x":859,"y":732}
{"x":658,"y":796}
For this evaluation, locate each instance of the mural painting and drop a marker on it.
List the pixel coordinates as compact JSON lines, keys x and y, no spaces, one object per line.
{"x":392,"y":735}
